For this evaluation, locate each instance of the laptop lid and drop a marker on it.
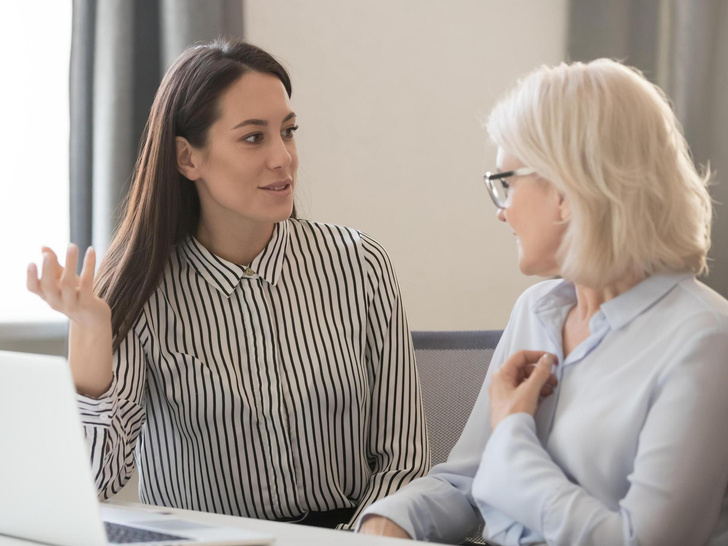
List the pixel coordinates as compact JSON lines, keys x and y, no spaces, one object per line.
{"x":46,"y":488}
{"x":47,"y":493}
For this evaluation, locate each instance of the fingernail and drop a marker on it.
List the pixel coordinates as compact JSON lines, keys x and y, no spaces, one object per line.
{"x":546,"y":359}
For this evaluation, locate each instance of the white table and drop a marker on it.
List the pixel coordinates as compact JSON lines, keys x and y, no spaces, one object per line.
{"x":287,"y":534}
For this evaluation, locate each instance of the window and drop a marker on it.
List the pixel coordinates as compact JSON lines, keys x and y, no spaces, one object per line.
{"x":34,"y":143}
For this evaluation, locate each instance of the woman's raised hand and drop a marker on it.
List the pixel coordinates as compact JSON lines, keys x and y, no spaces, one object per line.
{"x":519,"y":384}
{"x":89,"y":340}
{"x":65,"y":291}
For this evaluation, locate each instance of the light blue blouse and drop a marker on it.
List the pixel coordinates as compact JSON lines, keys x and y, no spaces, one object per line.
{"x":632,"y":448}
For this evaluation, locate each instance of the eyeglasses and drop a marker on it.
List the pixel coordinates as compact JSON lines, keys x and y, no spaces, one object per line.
{"x":498,"y":186}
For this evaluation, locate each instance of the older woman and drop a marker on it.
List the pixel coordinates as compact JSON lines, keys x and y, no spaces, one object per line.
{"x":602,"y":418}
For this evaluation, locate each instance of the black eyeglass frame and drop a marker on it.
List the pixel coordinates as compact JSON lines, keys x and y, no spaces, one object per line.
{"x":488,"y":178}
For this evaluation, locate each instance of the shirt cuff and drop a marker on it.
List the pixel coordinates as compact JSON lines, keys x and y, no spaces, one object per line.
{"x":98,"y":412}
{"x":516,"y":477}
{"x":392,"y":509}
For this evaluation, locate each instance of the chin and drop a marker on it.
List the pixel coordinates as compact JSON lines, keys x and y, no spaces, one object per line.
{"x":282,"y":214}
{"x":538,"y":270}
{"x":524,"y":266}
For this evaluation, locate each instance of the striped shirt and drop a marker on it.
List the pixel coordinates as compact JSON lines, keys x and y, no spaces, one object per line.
{"x":266,"y":391}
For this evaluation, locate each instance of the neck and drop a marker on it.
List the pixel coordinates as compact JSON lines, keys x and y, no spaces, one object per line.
{"x":238,"y":243}
{"x":588,"y":300}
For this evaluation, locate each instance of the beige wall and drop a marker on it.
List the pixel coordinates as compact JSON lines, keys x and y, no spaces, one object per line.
{"x":390,"y":96}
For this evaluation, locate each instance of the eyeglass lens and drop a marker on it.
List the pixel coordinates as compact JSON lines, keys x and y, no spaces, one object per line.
{"x":501,"y":191}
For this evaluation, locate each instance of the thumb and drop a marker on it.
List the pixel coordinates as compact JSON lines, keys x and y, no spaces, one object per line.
{"x":539,"y":375}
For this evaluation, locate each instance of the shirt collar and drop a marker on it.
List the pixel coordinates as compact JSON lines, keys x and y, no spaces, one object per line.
{"x":623,"y":309}
{"x":225,"y":276}
{"x":620,"y":311}
{"x":553,"y":306}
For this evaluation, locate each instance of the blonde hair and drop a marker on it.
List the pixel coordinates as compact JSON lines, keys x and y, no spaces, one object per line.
{"x":610,"y":143}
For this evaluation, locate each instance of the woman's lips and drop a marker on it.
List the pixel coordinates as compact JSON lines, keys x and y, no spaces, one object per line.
{"x":283,"y":187}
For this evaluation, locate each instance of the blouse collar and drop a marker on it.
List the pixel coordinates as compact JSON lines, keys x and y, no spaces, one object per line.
{"x":225,"y":276}
{"x":620,"y":311}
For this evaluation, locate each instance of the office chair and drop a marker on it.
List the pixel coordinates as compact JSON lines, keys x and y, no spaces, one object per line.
{"x":452,"y":367}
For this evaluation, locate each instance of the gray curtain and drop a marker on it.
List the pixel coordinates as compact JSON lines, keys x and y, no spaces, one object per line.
{"x":119,"y":52}
{"x":682,"y":45}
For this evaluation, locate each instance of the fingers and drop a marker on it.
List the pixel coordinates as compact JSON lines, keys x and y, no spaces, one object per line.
{"x":87,"y":273}
{"x":519,"y":383}
{"x":60,"y":286}
{"x":551,"y":382}
{"x":529,"y":369}
{"x":517,"y":367}
{"x":548,"y":388}
{"x":69,"y":279}
{"x":50,"y":272}
{"x":538,"y":380}
{"x":55,"y":266}
{"x":529,"y":357}
{"x":32,"y":280}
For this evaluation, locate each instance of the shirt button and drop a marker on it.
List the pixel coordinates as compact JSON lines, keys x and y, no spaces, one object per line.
{"x":249,"y":272}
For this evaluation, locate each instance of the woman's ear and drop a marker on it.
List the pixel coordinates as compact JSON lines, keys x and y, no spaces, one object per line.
{"x":564,"y":208}
{"x":188,"y":159}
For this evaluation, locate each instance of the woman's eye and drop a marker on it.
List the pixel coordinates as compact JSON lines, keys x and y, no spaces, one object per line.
{"x":254,"y":138}
{"x":288,"y":131}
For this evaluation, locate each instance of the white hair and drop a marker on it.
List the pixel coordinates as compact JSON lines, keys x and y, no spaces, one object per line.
{"x":610,"y":143}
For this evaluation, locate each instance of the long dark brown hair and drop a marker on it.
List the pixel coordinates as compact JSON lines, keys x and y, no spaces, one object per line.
{"x":163,"y":207}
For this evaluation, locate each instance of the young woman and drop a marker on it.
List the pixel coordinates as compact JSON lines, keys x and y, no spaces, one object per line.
{"x":246,"y":362}
{"x":602,"y":417}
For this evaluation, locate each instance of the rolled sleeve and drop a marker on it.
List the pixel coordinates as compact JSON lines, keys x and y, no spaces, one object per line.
{"x":113,"y":421}
{"x":98,"y":412}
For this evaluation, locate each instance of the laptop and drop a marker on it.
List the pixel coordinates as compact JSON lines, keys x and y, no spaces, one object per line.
{"x":47,"y":492}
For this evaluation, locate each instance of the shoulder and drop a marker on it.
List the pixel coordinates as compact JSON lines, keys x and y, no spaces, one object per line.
{"x":533,"y":294}
{"x":688,"y":329}
{"x":696,"y":306}
{"x":330,"y":234}
{"x":523,"y":328}
{"x":334,"y":236}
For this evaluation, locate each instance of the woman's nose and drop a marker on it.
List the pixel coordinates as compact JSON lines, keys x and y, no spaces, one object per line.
{"x":280,"y":155}
{"x":501,"y":215}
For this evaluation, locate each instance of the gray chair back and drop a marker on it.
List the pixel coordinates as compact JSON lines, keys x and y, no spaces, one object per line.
{"x":452,"y":367}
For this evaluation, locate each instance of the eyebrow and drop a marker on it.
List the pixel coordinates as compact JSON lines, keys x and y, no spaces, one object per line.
{"x":261,"y":122}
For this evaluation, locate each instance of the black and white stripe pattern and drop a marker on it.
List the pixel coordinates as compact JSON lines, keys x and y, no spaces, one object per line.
{"x":269,"y":391}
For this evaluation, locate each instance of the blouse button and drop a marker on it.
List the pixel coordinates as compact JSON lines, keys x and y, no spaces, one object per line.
{"x":249,"y":272}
